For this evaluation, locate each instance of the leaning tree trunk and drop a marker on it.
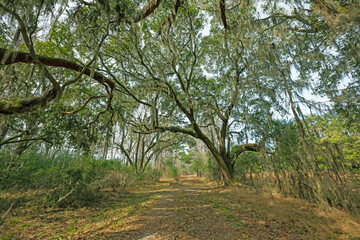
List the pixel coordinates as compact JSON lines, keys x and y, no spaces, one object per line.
{"x":220,"y":158}
{"x":223,"y":164}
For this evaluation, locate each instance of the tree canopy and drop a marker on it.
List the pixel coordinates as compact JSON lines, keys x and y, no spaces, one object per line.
{"x":229,"y":73}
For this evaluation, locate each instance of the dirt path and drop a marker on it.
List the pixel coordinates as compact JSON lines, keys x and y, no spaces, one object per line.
{"x":180,"y":213}
{"x":193,"y":209}
{"x":188,"y":209}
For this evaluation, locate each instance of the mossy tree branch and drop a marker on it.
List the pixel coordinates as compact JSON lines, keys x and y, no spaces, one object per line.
{"x":33,"y":103}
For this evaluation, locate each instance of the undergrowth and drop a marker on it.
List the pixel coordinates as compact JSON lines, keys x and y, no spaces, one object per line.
{"x":65,"y":181}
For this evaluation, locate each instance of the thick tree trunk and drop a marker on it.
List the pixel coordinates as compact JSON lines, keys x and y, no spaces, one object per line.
{"x":219,"y":155}
{"x":231,"y":168}
{"x":223,"y":165}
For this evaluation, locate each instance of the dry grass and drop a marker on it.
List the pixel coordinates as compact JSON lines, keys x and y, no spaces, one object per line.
{"x":188,"y":209}
{"x":28,"y":220}
{"x":322,"y":187}
{"x":312,"y":220}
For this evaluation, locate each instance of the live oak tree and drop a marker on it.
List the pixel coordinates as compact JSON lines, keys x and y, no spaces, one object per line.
{"x":218,"y":80}
{"x":219,"y":71}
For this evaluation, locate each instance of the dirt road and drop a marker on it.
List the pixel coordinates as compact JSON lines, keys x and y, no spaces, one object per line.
{"x":193,"y":209}
{"x":190,"y":208}
{"x":182,"y":212}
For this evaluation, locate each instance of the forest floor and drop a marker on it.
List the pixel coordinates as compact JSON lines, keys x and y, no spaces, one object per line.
{"x":189,"y":208}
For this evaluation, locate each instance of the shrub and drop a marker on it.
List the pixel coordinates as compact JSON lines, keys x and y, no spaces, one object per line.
{"x":69,"y":181}
{"x":171,"y":170}
{"x":117,"y":179}
{"x":150,"y":174}
{"x":74,"y":189}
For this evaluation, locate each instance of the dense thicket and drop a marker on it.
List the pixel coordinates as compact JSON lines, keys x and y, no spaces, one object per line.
{"x":138,"y":81}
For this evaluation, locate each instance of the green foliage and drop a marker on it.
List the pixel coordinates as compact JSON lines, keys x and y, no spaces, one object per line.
{"x":212,"y":170}
{"x":198,"y":166}
{"x":334,"y":130}
{"x":149,"y":175}
{"x":70,"y":181}
{"x":225,"y":87}
{"x":74,"y":189}
{"x":186,"y":157}
{"x":171,"y":170}
{"x":248,"y":162}
{"x":287,"y":145}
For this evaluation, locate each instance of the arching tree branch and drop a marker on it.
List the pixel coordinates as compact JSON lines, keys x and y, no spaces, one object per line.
{"x":31,"y":104}
{"x":246,"y":147}
{"x":25,"y":140}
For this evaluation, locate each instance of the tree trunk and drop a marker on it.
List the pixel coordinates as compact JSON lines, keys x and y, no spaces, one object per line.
{"x":221,"y":160}
{"x":4,"y":126}
{"x":224,"y":168}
